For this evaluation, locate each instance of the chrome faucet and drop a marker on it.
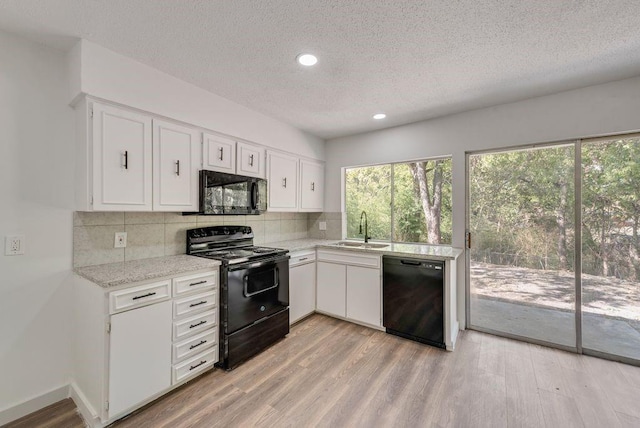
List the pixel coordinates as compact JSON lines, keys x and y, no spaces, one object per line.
{"x":366,"y":227}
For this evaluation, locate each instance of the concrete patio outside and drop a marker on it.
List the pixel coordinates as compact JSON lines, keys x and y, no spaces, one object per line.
{"x":540,"y":304}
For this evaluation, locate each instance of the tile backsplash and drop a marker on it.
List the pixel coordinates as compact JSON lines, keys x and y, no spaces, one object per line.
{"x":159,"y":234}
{"x":334,"y":225}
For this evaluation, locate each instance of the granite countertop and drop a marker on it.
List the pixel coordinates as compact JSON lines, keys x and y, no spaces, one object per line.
{"x":300,"y":244}
{"x":438,"y":252}
{"x":114,"y":274}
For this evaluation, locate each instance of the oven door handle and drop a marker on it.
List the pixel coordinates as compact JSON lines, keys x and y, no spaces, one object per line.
{"x":276,"y":283}
{"x":249,"y":265}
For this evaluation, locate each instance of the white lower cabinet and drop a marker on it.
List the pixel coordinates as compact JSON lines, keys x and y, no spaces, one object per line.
{"x":302,"y":285}
{"x":139,"y":355}
{"x":194,"y":365}
{"x":363,"y":294}
{"x":332,"y":289}
{"x":141,"y":340}
{"x":195,"y":326}
{"x":349,"y":286}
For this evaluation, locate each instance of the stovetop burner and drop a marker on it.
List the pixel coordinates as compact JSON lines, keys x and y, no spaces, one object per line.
{"x":230,"y":244}
{"x":230,"y":254}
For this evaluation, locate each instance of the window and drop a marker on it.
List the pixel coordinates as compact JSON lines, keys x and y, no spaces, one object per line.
{"x":404,"y":202}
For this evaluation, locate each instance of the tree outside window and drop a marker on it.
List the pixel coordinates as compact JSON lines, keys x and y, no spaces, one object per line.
{"x":404,"y":202}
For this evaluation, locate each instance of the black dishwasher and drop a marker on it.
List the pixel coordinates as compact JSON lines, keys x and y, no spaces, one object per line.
{"x":413,"y":299}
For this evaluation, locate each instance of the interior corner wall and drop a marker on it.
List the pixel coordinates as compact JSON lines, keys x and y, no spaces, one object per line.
{"x":114,"y":77}
{"x":36,"y":197}
{"x":596,"y":110}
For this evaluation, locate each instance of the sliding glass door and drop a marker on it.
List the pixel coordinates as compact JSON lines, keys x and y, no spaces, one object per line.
{"x":527,"y":267}
{"x":611,"y":247}
{"x":521,"y":220}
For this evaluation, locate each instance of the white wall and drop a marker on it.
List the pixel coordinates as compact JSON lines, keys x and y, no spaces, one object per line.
{"x":609,"y":108}
{"x":109,"y":75}
{"x":36,"y":198}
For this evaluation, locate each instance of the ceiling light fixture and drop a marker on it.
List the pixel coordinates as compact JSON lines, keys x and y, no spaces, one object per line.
{"x":307,"y":59}
{"x":379,"y":116}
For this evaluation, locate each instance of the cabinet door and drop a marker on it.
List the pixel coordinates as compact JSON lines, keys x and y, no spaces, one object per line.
{"x":331,"y":288}
{"x":219,"y":153}
{"x":282,"y":182}
{"x":139,"y":355}
{"x":363,"y":295}
{"x":311,"y":186}
{"x":250,"y":160}
{"x":121,"y":160}
{"x":302,"y":291}
{"x":176,"y":162}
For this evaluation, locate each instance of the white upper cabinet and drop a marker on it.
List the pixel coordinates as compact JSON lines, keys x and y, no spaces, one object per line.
{"x":121,"y":160}
{"x":251,"y":160}
{"x":219,"y":153}
{"x":176,"y":161}
{"x":311,"y":186}
{"x":282,"y":178}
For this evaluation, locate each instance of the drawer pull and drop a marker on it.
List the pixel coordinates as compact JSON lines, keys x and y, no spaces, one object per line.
{"x":303,"y":259}
{"x":197,"y":304}
{"x":202,"y":342}
{"x":198,"y":365}
{"x":144,"y":295}
{"x":197,"y":283}
{"x":196,"y":325}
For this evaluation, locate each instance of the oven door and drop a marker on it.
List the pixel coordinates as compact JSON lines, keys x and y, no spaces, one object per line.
{"x":256,"y":290}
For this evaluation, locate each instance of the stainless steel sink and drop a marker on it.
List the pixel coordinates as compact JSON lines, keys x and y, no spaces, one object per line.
{"x":353,"y":244}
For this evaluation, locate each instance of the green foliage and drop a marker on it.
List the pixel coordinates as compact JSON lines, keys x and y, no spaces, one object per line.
{"x":410,"y":222}
{"x":522,"y":207}
{"x":369,"y":189}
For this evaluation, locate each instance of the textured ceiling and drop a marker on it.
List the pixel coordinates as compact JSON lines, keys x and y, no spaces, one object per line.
{"x":410,"y":59}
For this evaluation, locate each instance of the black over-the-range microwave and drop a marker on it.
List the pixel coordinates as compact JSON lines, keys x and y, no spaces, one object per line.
{"x":230,"y":194}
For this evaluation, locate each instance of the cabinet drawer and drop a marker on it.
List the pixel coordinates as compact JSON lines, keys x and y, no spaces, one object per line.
{"x":195,"y":324}
{"x":194,"y":304}
{"x":192,"y":283}
{"x":195,"y":365}
{"x":302,"y":257}
{"x":195,"y":344}
{"x":139,"y":296}
{"x":349,"y":258}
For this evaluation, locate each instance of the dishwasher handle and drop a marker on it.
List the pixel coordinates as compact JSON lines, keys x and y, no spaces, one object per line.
{"x":411,"y":262}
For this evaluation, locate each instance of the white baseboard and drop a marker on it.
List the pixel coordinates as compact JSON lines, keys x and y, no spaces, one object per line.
{"x":85,"y":410}
{"x":23,"y":409}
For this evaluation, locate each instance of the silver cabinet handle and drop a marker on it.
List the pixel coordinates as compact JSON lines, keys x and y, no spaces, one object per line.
{"x":126,"y":159}
{"x":221,"y":153}
{"x":250,"y":160}
{"x":178,"y":168}
{"x":313,"y":187}
{"x":284,"y":182}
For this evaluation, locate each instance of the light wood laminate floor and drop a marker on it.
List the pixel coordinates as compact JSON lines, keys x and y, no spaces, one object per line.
{"x":336,"y":374}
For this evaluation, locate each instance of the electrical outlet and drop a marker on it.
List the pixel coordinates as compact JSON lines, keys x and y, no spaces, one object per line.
{"x":14,"y":245}
{"x":323,"y":225}
{"x":120,"y":240}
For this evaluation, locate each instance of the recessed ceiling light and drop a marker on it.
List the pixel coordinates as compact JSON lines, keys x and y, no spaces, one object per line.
{"x":379,"y":116}
{"x":307,"y":59}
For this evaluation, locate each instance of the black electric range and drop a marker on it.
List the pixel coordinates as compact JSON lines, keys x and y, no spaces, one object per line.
{"x":254,"y":290}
